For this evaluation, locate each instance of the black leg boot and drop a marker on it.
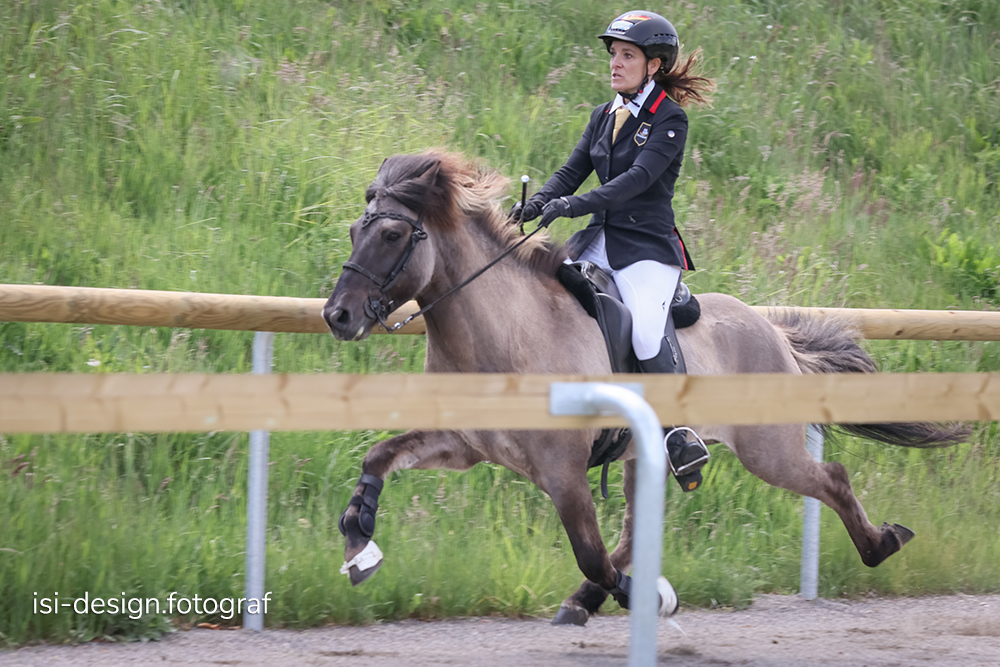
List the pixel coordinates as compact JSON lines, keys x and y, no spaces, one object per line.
{"x":686,"y":457}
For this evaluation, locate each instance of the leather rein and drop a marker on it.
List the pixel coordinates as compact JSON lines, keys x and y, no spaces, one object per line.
{"x":380,"y":308}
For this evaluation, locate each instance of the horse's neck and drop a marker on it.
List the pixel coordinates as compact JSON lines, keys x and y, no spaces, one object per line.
{"x":511,"y":319}
{"x":479,"y":328}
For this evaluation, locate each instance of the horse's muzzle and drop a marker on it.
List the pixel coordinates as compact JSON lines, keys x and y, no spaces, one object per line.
{"x":344,"y":324}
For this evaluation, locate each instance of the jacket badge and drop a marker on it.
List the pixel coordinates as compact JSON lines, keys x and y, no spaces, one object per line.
{"x":642,"y":134}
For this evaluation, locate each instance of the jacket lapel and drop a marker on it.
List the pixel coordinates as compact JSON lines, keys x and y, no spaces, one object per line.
{"x":609,"y":129}
{"x":602,"y":143}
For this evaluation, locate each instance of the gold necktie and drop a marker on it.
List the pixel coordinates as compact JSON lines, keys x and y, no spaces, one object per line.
{"x":620,"y":116}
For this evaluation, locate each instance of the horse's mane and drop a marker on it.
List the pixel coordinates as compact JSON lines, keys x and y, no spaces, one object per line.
{"x":450,"y":190}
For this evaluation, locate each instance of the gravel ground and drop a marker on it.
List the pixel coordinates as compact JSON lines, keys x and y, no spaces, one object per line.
{"x":775,"y":630}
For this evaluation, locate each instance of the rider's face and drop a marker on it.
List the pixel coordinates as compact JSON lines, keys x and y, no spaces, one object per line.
{"x":628,"y":66}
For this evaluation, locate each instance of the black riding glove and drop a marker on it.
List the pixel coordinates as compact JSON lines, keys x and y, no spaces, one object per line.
{"x":532,"y":208}
{"x":514,"y":217}
{"x":557,"y":208}
{"x":521,"y":214}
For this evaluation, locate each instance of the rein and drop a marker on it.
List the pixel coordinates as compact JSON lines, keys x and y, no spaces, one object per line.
{"x":378,"y":308}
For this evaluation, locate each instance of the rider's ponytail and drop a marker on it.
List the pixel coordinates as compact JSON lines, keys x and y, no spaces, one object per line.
{"x":683,"y":85}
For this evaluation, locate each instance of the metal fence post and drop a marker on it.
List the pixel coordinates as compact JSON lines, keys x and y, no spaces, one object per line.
{"x":260,"y":441}
{"x":593,"y":398}
{"x":809,"y":578}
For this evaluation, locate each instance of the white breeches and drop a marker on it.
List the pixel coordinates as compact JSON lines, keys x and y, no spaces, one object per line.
{"x":647,"y":289}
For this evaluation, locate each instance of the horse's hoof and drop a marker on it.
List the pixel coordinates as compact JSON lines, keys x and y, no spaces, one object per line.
{"x":571,"y":616}
{"x":668,"y":598}
{"x":359,"y":576}
{"x":903,"y":533}
{"x":893,"y":537}
{"x":364,"y":564}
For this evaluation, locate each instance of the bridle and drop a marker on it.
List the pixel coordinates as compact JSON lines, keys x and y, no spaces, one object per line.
{"x":380,"y":308}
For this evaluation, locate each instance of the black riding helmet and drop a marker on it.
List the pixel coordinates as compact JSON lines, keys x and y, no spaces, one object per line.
{"x":651,"y":32}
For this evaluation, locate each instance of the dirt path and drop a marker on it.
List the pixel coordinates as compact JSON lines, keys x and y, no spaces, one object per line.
{"x":776,"y":630}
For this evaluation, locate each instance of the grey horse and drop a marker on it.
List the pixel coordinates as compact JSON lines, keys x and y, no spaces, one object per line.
{"x":432,"y":220}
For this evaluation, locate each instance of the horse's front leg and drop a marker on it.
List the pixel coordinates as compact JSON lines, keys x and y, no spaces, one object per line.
{"x":415,"y":449}
{"x":570,"y":491}
{"x":584,"y":603}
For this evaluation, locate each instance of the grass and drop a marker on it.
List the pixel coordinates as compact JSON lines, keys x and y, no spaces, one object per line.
{"x":851,"y":158}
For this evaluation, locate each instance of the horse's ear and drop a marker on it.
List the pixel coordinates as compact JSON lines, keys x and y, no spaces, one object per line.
{"x":429,"y":177}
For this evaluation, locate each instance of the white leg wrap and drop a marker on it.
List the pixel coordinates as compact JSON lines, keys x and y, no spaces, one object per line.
{"x":368,"y":558}
{"x":668,"y":598}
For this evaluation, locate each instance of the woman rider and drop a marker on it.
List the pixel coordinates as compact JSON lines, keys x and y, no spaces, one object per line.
{"x":635,"y":143}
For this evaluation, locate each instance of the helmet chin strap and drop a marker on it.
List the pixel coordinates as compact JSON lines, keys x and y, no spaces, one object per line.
{"x":630,"y":97}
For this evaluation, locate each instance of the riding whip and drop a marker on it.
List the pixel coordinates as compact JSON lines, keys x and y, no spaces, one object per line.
{"x":524,"y":197}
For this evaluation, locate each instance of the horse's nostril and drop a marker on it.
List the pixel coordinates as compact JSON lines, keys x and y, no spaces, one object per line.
{"x":336,"y":317}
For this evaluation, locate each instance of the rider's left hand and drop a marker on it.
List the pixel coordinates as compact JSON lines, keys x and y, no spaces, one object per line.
{"x":557,"y":208}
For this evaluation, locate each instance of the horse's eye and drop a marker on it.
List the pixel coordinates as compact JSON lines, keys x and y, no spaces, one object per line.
{"x":392,"y":237}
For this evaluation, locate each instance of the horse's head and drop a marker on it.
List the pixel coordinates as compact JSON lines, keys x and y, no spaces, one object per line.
{"x":392,"y":259}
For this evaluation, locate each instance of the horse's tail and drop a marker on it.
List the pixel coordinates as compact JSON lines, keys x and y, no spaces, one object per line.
{"x":827,"y":345}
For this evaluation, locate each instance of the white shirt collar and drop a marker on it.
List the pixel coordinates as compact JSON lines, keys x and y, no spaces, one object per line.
{"x":635,"y":106}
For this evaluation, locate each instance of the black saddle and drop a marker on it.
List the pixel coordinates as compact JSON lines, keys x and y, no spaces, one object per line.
{"x":599,"y":296}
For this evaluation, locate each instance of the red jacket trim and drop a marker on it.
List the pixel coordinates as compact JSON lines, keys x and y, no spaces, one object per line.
{"x":683,"y":249}
{"x":656,"y":104}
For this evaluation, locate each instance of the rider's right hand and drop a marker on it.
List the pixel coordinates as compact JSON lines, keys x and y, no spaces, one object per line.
{"x":515,"y":213}
{"x":532,"y":209}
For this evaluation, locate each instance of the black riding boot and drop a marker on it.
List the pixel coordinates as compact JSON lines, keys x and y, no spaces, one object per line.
{"x":686,"y":457}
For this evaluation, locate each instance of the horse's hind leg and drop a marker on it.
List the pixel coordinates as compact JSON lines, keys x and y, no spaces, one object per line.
{"x":584,"y":603}
{"x":414,"y":449}
{"x":776,"y":455}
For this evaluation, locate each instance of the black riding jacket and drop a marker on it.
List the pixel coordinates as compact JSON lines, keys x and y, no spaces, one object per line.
{"x":633,"y":203}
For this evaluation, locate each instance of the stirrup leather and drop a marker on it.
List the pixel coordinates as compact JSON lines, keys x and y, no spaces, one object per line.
{"x":693,"y":465}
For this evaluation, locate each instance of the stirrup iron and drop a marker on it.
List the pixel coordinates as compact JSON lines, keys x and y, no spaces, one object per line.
{"x":692,"y":465}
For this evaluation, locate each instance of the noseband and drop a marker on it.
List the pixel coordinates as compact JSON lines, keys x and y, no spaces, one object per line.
{"x":380,"y":308}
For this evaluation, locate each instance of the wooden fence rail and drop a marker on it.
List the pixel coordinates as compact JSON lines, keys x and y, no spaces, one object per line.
{"x":75,"y":403}
{"x":89,"y":305}
{"x":92,"y":403}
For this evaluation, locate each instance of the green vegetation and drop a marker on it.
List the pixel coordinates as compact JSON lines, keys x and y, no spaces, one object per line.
{"x":852,"y":158}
